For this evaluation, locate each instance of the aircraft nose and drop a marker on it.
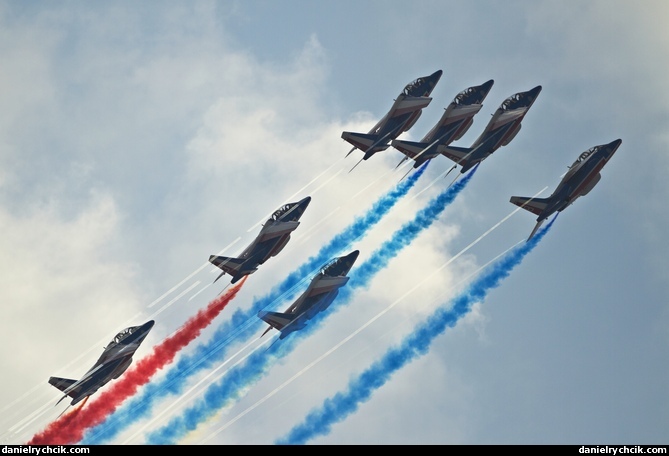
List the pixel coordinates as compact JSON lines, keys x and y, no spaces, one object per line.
{"x":613,"y":146}
{"x":148,"y":325}
{"x":301,"y":205}
{"x":434,"y":77}
{"x":486,"y":86}
{"x":534,"y":92}
{"x":353,"y":255}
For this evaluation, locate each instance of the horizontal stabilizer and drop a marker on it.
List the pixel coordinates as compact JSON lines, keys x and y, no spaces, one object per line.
{"x":64,"y":385}
{"x":364,"y":141}
{"x":457,"y":154}
{"x":534,"y":205}
{"x":409,"y":148}
{"x":232,"y":266}
{"x":277,"y":320}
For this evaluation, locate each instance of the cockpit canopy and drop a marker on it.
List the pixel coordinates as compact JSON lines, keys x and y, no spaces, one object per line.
{"x":469,"y":96}
{"x":334,"y":268}
{"x":281,"y":211}
{"x":416,"y":88}
{"x":122,"y":335}
{"x":514,"y":101}
{"x":586,"y":154}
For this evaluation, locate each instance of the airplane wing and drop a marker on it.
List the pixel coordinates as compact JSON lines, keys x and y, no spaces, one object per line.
{"x":409,"y":104}
{"x":277,"y":229}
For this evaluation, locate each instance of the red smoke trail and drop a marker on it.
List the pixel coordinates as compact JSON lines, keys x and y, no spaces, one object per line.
{"x":69,"y":429}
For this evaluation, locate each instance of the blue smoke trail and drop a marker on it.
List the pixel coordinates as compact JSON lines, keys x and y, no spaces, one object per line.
{"x":243,"y":323}
{"x":336,"y":408}
{"x":237,"y":379}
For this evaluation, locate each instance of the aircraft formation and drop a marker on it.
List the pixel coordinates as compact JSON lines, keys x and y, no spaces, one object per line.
{"x":324,"y":287}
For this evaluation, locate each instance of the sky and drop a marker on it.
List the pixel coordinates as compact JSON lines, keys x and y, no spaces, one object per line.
{"x":137,"y":139}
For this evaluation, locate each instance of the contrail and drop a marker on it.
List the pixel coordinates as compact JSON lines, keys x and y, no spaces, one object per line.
{"x":237,"y":379}
{"x":70,"y":428}
{"x":244,"y":324}
{"x":336,"y":408}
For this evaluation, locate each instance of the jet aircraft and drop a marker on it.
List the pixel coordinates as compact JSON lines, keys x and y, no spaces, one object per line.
{"x":502,"y":128}
{"x":456,"y":120}
{"x":582,"y":176}
{"x":322,"y":290}
{"x":115,"y":359}
{"x":272,"y":238}
{"x":403,"y":114}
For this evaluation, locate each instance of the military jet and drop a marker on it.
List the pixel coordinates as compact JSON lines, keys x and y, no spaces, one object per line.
{"x":582,"y":176}
{"x":454,"y":123}
{"x":115,"y":359}
{"x":502,"y":128}
{"x":322,"y":290}
{"x":272,"y":238}
{"x":403,"y":114}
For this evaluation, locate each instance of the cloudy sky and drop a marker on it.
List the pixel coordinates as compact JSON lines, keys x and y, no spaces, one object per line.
{"x":136,"y":139}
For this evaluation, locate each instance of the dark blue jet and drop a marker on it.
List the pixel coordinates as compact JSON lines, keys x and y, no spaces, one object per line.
{"x":502,"y":128}
{"x":403,"y":114}
{"x":115,"y":359}
{"x":456,"y":120}
{"x":322,"y":290}
{"x":272,"y":238}
{"x":582,"y":176}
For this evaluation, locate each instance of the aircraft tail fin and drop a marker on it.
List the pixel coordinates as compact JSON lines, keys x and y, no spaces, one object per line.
{"x":534,"y":205}
{"x":232,"y":266}
{"x":536,"y":227}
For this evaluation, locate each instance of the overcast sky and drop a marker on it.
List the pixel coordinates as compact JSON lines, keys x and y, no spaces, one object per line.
{"x":136,"y":139}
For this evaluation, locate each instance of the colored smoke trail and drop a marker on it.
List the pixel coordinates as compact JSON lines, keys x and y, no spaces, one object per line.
{"x":244,"y":324}
{"x":408,"y":232}
{"x":338,"y":407}
{"x":70,"y":428}
{"x":240,"y":377}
